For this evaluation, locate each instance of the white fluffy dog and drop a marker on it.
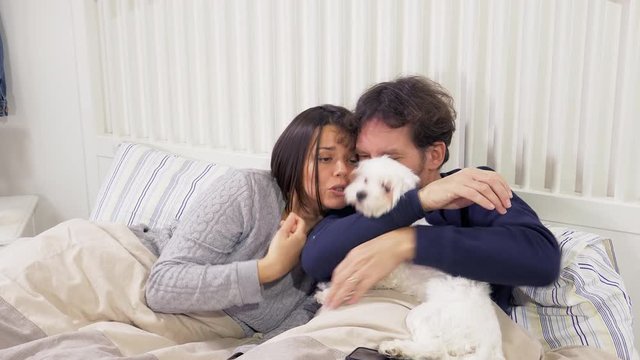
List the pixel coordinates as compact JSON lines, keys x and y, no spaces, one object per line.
{"x":456,"y":318}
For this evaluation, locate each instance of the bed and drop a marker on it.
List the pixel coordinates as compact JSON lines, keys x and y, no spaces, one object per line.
{"x":63,"y":294}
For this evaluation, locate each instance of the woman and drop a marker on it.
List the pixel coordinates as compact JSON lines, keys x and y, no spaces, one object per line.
{"x":227,"y":252}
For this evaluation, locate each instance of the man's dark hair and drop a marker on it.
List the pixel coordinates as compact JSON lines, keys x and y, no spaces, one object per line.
{"x":293,"y":147}
{"x":415,"y":101}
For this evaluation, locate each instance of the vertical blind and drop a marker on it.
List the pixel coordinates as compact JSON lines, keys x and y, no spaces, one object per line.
{"x":547,"y":91}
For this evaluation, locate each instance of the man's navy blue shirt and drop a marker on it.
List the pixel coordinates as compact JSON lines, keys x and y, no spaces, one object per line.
{"x":508,"y":250}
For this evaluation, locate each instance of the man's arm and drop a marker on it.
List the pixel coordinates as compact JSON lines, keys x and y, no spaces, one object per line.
{"x":332,"y":239}
{"x":512,"y":249}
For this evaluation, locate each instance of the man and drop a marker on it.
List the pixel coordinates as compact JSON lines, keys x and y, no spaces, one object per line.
{"x":480,"y":230}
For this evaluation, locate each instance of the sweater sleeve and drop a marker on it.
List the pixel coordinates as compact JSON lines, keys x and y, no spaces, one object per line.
{"x":193,"y":272}
{"x":513,"y":249}
{"x":332,"y":239}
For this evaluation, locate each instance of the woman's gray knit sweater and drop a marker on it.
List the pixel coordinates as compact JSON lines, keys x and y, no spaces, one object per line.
{"x":210,"y":261}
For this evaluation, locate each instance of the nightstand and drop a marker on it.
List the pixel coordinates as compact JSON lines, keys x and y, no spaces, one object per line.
{"x":16,"y":217}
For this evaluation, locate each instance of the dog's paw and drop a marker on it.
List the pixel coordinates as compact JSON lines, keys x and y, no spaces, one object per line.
{"x":321,"y":295}
{"x":461,"y":352}
{"x":401,"y":349}
{"x":391,"y":349}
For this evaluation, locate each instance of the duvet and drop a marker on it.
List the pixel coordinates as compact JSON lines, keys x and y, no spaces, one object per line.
{"x":76,"y":291}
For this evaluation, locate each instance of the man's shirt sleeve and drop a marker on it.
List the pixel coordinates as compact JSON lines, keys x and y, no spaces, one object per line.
{"x":340,"y":231}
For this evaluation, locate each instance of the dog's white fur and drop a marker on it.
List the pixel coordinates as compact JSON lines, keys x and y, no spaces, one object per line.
{"x":456,"y":318}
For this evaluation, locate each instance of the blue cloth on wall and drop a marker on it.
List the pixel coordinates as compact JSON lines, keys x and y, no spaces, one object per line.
{"x":3,"y":84}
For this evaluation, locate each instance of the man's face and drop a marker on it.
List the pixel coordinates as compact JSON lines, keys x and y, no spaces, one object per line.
{"x":377,"y":139}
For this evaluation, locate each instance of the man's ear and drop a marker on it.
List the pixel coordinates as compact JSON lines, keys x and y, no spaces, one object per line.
{"x":435,"y":154}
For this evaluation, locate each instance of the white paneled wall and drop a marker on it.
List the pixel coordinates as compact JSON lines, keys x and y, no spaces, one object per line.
{"x":547,"y":91}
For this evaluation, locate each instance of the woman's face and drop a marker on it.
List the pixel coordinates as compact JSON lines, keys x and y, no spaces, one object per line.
{"x":336,"y":160}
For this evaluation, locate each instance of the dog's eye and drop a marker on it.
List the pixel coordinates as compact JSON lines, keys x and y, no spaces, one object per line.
{"x":386,"y":188}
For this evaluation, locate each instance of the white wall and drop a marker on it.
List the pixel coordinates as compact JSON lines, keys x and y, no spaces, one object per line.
{"x":41,"y":143}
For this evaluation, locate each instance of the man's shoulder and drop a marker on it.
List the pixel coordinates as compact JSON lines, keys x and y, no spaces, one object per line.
{"x":340,"y":213}
{"x":331,"y":216}
{"x":450,"y":172}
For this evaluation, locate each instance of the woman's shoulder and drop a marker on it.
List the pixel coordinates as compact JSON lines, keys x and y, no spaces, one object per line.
{"x":247,"y":189}
{"x":258,"y":175}
{"x":258,"y":185}
{"x":234,"y":184}
{"x":246,"y":177}
{"x":256,"y":180}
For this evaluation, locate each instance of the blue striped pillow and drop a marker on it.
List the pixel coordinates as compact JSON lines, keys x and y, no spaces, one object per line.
{"x":588,"y":305}
{"x":150,"y":186}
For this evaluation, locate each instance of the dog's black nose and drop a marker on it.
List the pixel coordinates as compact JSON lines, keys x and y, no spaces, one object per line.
{"x":360,"y":195}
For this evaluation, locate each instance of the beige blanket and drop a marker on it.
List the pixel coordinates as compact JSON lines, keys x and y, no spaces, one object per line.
{"x":76,"y":291}
{"x":380,"y":316}
{"x":81,"y":285}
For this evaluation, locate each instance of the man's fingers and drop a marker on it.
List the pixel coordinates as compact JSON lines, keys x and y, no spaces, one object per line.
{"x":474,"y":195}
{"x":363,"y":285}
{"x":507,"y":187}
{"x":340,"y":273}
{"x":488,"y":193}
{"x":499,"y":185}
{"x":338,"y":294}
{"x":504,"y":192}
{"x":343,"y":283}
{"x":337,"y":279}
{"x":501,"y":188}
{"x":349,"y":291}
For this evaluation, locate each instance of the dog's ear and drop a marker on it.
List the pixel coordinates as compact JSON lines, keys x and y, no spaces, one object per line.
{"x":387,"y":186}
{"x":411,"y":182}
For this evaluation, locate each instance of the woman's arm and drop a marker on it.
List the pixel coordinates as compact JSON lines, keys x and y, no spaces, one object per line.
{"x":284,"y":250}
{"x":210,"y":262}
{"x":193,"y":272}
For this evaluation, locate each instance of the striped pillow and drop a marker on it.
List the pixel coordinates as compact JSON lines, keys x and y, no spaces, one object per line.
{"x":150,"y":186}
{"x":588,"y":304}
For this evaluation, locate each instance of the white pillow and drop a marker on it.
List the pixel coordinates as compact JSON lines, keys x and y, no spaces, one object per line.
{"x":587,"y":305}
{"x":150,"y":186}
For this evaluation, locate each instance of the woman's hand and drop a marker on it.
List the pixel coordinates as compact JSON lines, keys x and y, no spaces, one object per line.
{"x":465,"y":187}
{"x":284,"y":250}
{"x":368,"y":263}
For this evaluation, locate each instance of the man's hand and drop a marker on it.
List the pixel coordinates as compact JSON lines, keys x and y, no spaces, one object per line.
{"x":465,"y":187}
{"x":368,"y":263}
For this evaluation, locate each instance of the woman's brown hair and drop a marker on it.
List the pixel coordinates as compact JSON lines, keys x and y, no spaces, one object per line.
{"x":293,"y":147}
